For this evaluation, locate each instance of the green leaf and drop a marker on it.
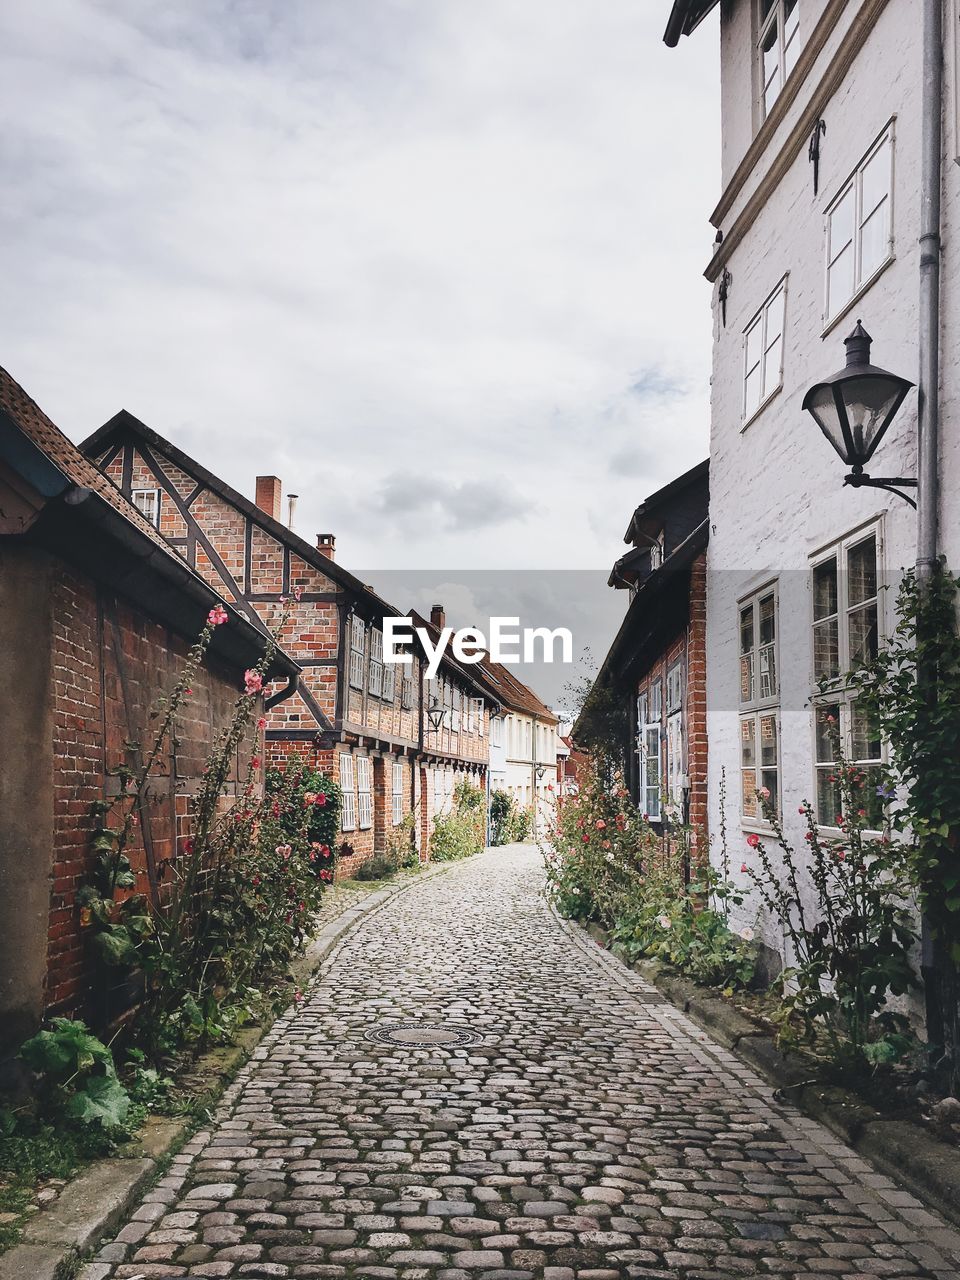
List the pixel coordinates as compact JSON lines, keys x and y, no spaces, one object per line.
{"x":103,"y":1100}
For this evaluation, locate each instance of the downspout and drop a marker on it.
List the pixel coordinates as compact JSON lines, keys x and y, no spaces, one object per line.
{"x":928,"y":404}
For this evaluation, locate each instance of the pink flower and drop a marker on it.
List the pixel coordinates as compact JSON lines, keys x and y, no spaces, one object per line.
{"x":765,"y":792}
{"x":254,"y":762}
{"x":297,"y":593}
{"x":253,"y":682}
{"x":753,"y":840}
{"x":743,"y":867}
{"x":217,"y":616}
{"x":320,"y":799}
{"x":283,"y":851}
{"x":262,"y":722}
{"x":600,"y":824}
{"x":298,"y":997}
{"x":326,"y":875}
{"x":309,"y":798}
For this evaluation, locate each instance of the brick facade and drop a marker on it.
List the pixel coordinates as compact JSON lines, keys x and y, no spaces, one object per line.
{"x":346,"y":701}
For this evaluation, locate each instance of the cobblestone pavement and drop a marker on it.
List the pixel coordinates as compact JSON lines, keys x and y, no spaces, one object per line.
{"x":590,"y":1132}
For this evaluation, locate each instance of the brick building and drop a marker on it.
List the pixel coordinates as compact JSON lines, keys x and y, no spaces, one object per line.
{"x":354,"y":716}
{"x":455,"y":731}
{"x":656,"y":663}
{"x":96,"y":617}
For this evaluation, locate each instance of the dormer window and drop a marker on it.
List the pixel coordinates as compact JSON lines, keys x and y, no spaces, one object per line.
{"x":778,"y":47}
{"x":656,"y":552}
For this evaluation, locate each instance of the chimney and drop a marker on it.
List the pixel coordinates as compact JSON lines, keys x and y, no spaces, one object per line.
{"x":291,"y":508}
{"x":437,"y":617}
{"x":268,"y":495}
{"x":327,"y":545}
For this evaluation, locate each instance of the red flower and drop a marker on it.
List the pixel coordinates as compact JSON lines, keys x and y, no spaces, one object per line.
{"x":275,"y":809}
{"x":217,"y":616}
{"x":320,"y":799}
{"x":326,"y":875}
{"x":600,"y":824}
{"x":753,"y":840}
{"x":188,"y":845}
{"x":743,"y":866}
{"x":586,"y":838}
{"x":262,"y":722}
{"x":255,"y":762}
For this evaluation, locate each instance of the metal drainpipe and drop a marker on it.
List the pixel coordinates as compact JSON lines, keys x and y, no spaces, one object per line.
{"x":929,"y":385}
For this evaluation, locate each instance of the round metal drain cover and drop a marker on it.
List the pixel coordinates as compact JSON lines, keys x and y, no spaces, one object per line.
{"x":421,"y":1035}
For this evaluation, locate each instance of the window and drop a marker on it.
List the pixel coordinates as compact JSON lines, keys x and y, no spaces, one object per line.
{"x":675,"y":759}
{"x":778,"y":48}
{"x":406,"y":693}
{"x":357,"y":651}
{"x":763,"y":352}
{"x":389,"y":678}
{"x":496,"y":731}
{"x":649,"y":748}
{"x":674,"y":688}
{"x":348,"y":806}
{"x":147,"y":502}
{"x":397,"y":793}
{"x":759,"y":703}
{"x":846,"y":633}
{"x":480,"y":716}
{"x":860,"y":226}
{"x":364,"y":792}
{"x":456,"y":711}
{"x":656,"y":552}
{"x":376,"y":662}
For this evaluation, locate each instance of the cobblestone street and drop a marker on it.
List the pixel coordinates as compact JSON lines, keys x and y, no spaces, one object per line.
{"x":589,"y":1130}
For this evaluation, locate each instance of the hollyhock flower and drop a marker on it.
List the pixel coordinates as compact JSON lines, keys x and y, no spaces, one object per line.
{"x":298,"y":997}
{"x":283,"y":851}
{"x":765,"y":792}
{"x":253,"y":682}
{"x":743,"y":867}
{"x":664,"y":922}
{"x":255,"y":881}
{"x":188,"y":845}
{"x":309,"y":798}
{"x":262,"y":722}
{"x":600,"y":824}
{"x":275,"y":809}
{"x":840,"y":855}
{"x":753,"y":840}
{"x":188,"y":691}
{"x":321,"y":799}
{"x":586,"y":838}
{"x":808,"y":835}
{"x":297,"y":593}
{"x":606,"y":844}
{"x":217,"y":616}
{"x":254,"y":762}
{"x":302,"y":906}
{"x":326,"y":875}
{"x":746,"y":933}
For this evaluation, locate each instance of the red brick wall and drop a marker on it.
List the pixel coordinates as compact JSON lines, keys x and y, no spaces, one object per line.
{"x":109,"y":665}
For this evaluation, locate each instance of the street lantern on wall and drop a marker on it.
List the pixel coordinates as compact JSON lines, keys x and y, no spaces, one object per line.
{"x":435,"y":714}
{"x":541,"y":772}
{"x":854,"y":408}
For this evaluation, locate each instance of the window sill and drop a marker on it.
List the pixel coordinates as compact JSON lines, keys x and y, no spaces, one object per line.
{"x":843,"y":313}
{"x":761,"y":408}
{"x":756,"y":826}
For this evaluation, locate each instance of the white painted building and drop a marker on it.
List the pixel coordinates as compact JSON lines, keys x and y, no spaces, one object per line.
{"x":817,"y":226}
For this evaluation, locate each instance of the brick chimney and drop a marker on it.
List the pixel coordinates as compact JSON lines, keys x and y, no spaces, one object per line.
{"x":268,"y":495}
{"x":327,"y":545}
{"x":437,"y":617}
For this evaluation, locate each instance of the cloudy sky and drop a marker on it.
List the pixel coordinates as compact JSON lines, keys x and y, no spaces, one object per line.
{"x":435,"y":263}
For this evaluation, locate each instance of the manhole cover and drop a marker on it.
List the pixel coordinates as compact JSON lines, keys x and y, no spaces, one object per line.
{"x":421,"y":1035}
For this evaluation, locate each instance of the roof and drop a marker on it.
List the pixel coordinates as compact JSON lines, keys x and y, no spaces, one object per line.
{"x":125,"y":424}
{"x":685,"y":17}
{"x":511,"y":692}
{"x":652,"y":505}
{"x":641,"y":620}
{"x":88,"y":521}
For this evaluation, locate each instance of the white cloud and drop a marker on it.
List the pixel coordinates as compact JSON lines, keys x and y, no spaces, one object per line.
{"x":361,"y":244}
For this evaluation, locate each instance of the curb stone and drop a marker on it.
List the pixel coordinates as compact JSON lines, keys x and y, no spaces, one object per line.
{"x":96,"y":1201}
{"x":903,"y":1150}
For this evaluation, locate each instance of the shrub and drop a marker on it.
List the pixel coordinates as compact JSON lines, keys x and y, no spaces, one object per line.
{"x":501,"y":809}
{"x":75,"y":1076}
{"x":852,"y":951}
{"x":461,"y":832}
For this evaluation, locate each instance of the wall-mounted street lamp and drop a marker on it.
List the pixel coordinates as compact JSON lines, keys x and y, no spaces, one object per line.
{"x":541,"y":770}
{"x":435,"y":714}
{"x":854,"y":408}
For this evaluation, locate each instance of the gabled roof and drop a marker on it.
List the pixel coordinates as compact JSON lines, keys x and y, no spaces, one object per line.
{"x":87,"y":521}
{"x":685,"y":17}
{"x":652,"y":506}
{"x":511,"y":692}
{"x":124,"y":425}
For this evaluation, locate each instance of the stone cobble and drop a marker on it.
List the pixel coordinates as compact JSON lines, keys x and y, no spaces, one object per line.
{"x":589,"y":1132}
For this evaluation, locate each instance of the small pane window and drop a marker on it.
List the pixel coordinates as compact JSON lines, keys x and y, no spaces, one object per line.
{"x":759,"y":692}
{"x":147,"y":502}
{"x":357,"y":651}
{"x":348,"y":806}
{"x":763,"y":352}
{"x":860,"y":227}
{"x":778,"y":47}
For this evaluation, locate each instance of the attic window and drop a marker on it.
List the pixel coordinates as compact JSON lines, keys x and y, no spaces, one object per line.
{"x":147,"y":502}
{"x":656,"y":552}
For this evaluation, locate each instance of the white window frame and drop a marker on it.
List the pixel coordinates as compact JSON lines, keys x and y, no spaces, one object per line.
{"x":154,"y":494}
{"x":348,"y":804}
{"x":787,"y":49}
{"x":396,"y":793}
{"x":479,"y":705}
{"x":760,"y":707}
{"x":456,"y":711}
{"x":406,"y":693}
{"x":770,"y":376}
{"x":496,"y":731}
{"x":674,"y":741}
{"x":648,"y":745}
{"x":834,"y":308}
{"x":358,"y":646}
{"x":376,"y":662}
{"x":364,"y":792}
{"x":834,"y":696}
